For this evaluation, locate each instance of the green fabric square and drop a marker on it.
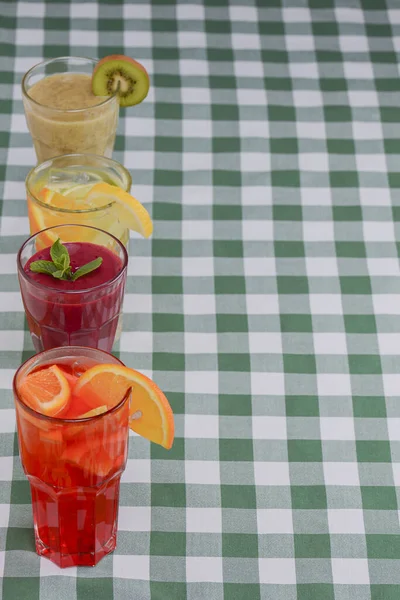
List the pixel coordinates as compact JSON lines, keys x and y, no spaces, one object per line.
{"x":168,"y":494}
{"x":177,"y":452}
{"x":220,"y":54}
{"x":394,"y":182}
{"x":241,"y":591}
{"x":230,"y":284}
{"x":387,"y":85}
{"x":226,"y":144}
{"x":160,"y":53}
{"x":355,"y":285}
{"x":240,"y":544}
{"x":304,"y":451}
{"x":7,"y":50}
{"x":373,"y":451}
{"x":236,"y":449}
{"x":235,"y":405}
{"x":302,"y":406}
{"x":299,"y":363}
{"x":212,"y":26}
{"x":278,"y":83}
{"x":224,"y":112}
{"x":163,"y":211}
{"x":383,"y":546}
{"x":289,"y":249}
{"x":222,"y":82}
{"x":170,"y":284}
{"x":20,"y":538}
{"x":315,"y":591}
{"x":227,"y":212}
{"x":284,"y":145}
{"x":274,"y":56}
{"x":308,"y":497}
{"x":20,"y":492}
{"x":292,"y":284}
{"x":379,"y":497}
{"x":109,"y":24}
{"x":228,"y":249}
{"x":279,"y":112}
{"x":232,"y":323}
{"x":287,"y":212}
{"x":350,"y":250}
{"x":57,"y":24}
{"x":85,"y":587}
{"x":360,"y":323}
{"x":312,"y":545}
{"x":21,"y":587}
{"x":239,"y":363}
{"x":378,"y":30}
{"x":341,"y":147}
{"x":168,"y":178}
{"x":325,"y":28}
{"x":177,"y":401}
{"x":271,"y":28}
{"x":389,"y":114}
{"x":365,"y":364}
{"x":168,"y":361}
{"x":392,"y":146}
{"x":337,"y":114}
{"x":167,"y":543}
{"x":167,"y":110}
{"x":384,"y":592}
{"x":334,"y":84}
{"x":344,"y":179}
{"x":226,"y":178}
{"x":162,"y":25}
{"x":168,"y":143}
{"x":238,"y":496}
{"x":347,"y":213}
{"x":167,"y":81}
{"x":167,"y":322}
{"x":373,"y":407}
{"x":172,"y":248}
{"x":285,"y":179}
{"x":299,"y":323}
{"x":161,"y":590}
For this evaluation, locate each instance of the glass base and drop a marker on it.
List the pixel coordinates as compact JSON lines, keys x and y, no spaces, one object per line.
{"x":80,"y":559}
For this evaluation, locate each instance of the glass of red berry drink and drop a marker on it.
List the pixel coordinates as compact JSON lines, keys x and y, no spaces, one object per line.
{"x":72,"y":280}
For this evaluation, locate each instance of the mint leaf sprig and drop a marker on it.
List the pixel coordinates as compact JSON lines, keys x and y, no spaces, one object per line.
{"x":60,"y":264}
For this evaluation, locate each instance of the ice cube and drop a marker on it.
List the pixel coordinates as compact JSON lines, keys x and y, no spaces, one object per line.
{"x":67,"y":178}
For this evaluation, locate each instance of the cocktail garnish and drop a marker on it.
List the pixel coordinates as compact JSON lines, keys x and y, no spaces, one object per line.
{"x":59,"y":266}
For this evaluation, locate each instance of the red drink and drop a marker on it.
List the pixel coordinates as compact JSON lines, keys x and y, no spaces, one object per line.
{"x":73,"y":464}
{"x":84,"y":312}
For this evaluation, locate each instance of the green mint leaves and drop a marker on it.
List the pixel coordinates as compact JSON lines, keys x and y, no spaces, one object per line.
{"x":60,"y":265}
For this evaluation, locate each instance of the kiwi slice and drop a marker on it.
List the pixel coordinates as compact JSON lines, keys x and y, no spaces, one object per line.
{"x":122,"y":75}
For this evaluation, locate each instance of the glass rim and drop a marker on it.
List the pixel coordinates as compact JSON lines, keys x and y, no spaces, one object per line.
{"x":62,"y":110}
{"x":95,"y":288}
{"x":60,"y":420}
{"x":73,"y":155}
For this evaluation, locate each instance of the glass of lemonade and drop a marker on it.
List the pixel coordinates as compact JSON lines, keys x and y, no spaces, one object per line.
{"x":63,"y":114}
{"x":72,"y":176}
{"x":74,"y":463}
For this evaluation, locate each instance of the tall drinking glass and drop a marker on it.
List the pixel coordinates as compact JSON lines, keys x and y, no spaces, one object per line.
{"x":84,"y":312}
{"x":62,"y":113}
{"x":74,"y":467}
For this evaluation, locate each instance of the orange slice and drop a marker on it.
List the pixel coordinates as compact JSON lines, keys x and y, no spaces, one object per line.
{"x":151,"y":413}
{"x":47,"y":391}
{"x":94,"y":412}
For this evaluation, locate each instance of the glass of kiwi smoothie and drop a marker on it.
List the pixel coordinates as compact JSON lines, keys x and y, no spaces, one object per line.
{"x":63,"y":114}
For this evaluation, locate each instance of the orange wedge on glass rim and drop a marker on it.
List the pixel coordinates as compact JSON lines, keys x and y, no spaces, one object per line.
{"x":151,"y":413}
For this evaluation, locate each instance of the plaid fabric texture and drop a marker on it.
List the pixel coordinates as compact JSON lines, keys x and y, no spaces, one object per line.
{"x":267,"y":304}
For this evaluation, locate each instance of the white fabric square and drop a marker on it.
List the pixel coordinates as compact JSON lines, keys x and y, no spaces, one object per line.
{"x":313,"y":162}
{"x":349,"y":15}
{"x":138,"y":303}
{"x":367,"y":131}
{"x":11,"y":302}
{"x":204,"y":568}
{"x":260,"y":304}
{"x":326,"y":304}
{"x":195,"y":96}
{"x":200,"y":343}
{"x":137,"y":341}
{"x":7,"y":420}
{"x":351,"y":571}
{"x":83,"y":38}
{"x":31,"y":9}
{"x":255,"y":266}
{"x":134,"y":518}
{"x":140,"y":265}
{"x":248,"y":68}
{"x":254,"y":129}
{"x":322,"y":267}
{"x":87,"y":10}
{"x":261,"y":230}
{"x":277,"y":570}
{"x":29,"y":37}
{"x":377,"y":231}
{"x":196,"y":161}
{"x":396,"y":475}
{"x":201,"y":382}
{"x":14,"y":226}
{"x":190,"y":12}
{"x":7,"y":267}
{"x":131,"y":566}
{"x":316,"y":197}
{"x":394,"y":16}
{"x":256,"y":195}
{"x":245,"y":41}
{"x":243,"y":13}
{"x":299,"y":42}
{"x":271,"y":473}
{"x":197,"y":266}
{"x":364,"y":99}
{"x":375,"y":196}
{"x":265,"y":342}
{"x":18,"y":124}
{"x":330,"y":343}
{"x":202,"y":426}
{"x":371,"y":163}
{"x":255,"y":162}
{"x":383,"y":267}
{"x":321,"y":231}
{"x":386,"y":304}
{"x":269,"y":428}
{"x":274,"y":520}
{"x":271,"y":384}
{"x":308,"y":70}
{"x":296,"y":15}
{"x":346,"y":520}
{"x":4,"y":515}
{"x":393,"y":424}
{"x":205,"y":472}
{"x":191,"y":39}
{"x":307,"y":98}
{"x":333,"y":384}
{"x":358,"y":70}
{"x":353,"y":43}
{"x":20,"y":157}
{"x":341,"y":473}
{"x":337,"y":428}
{"x":141,"y":39}
{"x":11,"y":340}
{"x":49,"y":569}
{"x":140,"y":127}
{"x":14,"y":190}
{"x":389,"y":343}
{"x":135,"y":159}
{"x":251,"y":97}
{"x":136,"y":11}
{"x":196,"y":128}
{"x":203,"y":520}
{"x":6,"y":468}
{"x":138,"y":470}
{"x":199,"y":304}
{"x":311,"y":130}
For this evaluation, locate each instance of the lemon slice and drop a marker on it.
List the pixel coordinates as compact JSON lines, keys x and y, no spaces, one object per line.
{"x":130,"y":210}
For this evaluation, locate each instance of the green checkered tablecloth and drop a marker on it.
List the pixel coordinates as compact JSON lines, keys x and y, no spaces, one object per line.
{"x":267,"y":304}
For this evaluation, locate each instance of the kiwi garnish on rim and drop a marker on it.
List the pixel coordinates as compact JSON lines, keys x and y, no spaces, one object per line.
{"x":121,"y":75}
